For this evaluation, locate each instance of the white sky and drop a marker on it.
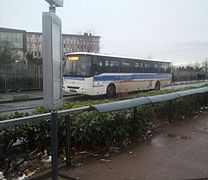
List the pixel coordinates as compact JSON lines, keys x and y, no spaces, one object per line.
{"x":173,"y":30}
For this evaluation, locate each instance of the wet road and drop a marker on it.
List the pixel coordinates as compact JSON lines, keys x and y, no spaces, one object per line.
{"x":26,"y":106}
{"x":21,"y":105}
{"x":177,"y":151}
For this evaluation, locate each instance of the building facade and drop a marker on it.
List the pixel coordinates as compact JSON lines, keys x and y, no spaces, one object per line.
{"x":15,"y":41}
{"x":23,"y":43}
{"x":70,"y":43}
{"x":80,"y":43}
{"x":34,"y":44}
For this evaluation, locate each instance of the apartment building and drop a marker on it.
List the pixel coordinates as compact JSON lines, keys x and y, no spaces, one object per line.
{"x":15,"y":40}
{"x":22,"y":43}
{"x":70,"y":43}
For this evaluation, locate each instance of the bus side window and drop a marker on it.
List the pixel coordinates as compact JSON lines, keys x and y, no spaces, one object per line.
{"x":114,"y":66}
{"x":139,"y":67}
{"x":136,"y":67}
{"x":163,"y":67}
{"x":106,"y":65}
{"x":151,"y":67}
{"x":155,"y":67}
{"x":168,"y":70}
{"x":146,"y":67}
{"x":126,"y":67}
{"x":97,"y":66}
{"x":160,"y":70}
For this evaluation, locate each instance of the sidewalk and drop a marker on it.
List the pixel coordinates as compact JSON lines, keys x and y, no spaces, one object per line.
{"x":190,"y":82}
{"x":177,"y":151}
{"x":20,"y":96}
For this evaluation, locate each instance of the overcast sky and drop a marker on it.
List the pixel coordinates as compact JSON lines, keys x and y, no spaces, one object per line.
{"x":173,"y":30}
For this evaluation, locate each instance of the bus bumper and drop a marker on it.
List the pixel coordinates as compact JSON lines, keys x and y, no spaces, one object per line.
{"x":74,"y":90}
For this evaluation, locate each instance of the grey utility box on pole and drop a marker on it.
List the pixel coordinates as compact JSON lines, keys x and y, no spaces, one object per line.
{"x":52,"y":61}
{"x":57,"y":3}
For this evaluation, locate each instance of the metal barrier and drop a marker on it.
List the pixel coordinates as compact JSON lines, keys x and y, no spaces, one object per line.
{"x":20,"y":77}
{"x":131,"y":103}
{"x":102,"y":108}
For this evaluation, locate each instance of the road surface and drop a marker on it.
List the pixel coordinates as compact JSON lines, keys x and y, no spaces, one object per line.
{"x":26,"y":106}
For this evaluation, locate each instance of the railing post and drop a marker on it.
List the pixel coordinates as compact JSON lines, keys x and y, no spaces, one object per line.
{"x":5,"y":83}
{"x":205,"y":99}
{"x":134,"y":120}
{"x":54,"y":144}
{"x":135,"y":113}
{"x":169,"y":111}
{"x":68,"y":140}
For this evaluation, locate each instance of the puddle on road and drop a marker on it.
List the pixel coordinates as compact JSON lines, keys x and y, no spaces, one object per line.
{"x":185,"y":137}
{"x":158,"y":142}
{"x":164,"y":140}
{"x":203,"y":129}
{"x":176,"y":136}
{"x":170,"y":135}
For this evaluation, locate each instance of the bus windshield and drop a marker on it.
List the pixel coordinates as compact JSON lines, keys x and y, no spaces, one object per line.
{"x":77,"y":66}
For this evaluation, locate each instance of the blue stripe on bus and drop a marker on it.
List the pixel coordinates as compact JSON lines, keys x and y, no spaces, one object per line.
{"x":130,"y":77}
{"x":122,"y":77}
{"x":74,"y":78}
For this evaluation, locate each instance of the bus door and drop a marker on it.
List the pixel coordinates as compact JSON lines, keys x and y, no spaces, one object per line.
{"x":97,"y":73}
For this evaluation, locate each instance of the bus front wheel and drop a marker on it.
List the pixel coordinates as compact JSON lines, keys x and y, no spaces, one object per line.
{"x":111,"y":90}
{"x":157,"y":85}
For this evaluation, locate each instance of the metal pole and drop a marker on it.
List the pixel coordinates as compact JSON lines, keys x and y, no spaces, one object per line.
{"x":135,"y":113}
{"x":5,"y":84}
{"x":52,"y":8}
{"x":39,"y":76}
{"x":4,"y":76}
{"x":134,"y":121}
{"x":68,"y":140}
{"x":205,"y":99}
{"x":54,"y":145}
{"x":170,"y":111}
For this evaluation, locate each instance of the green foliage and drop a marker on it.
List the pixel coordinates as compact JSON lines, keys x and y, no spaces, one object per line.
{"x":164,"y":91}
{"x":29,"y":56}
{"x":33,"y":60}
{"x":40,"y":110}
{"x":77,"y":104}
{"x":92,"y":129}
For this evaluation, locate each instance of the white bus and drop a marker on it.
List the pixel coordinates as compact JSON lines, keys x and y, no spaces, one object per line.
{"x":97,"y":74}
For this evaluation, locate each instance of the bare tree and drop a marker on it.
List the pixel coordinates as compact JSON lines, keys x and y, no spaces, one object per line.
{"x":89,"y":43}
{"x":205,"y":65}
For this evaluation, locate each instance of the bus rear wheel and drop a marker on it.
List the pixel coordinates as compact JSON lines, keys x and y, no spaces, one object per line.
{"x":111,"y":90}
{"x":157,"y":85}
